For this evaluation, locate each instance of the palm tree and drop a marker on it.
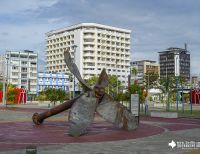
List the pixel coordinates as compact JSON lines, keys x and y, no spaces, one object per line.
{"x":134,"y":71}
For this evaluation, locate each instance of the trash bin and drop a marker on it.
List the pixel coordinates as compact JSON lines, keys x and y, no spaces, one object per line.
{"x":31,"y":149}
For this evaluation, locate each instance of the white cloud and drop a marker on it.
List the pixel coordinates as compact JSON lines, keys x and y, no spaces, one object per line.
{"x":156,"y":25}
{"x":12,"y":6}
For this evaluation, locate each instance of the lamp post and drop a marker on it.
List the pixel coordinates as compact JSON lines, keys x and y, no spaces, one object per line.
{"x":117,"y":77}
{"x":5,"y":84}
{"x":74,"y":48}
{"x":167,"y":86}
{"x":177,"y":74}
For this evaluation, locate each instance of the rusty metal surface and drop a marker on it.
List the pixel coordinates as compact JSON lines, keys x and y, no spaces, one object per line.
{"x":74,"y":70}
{"x":82,"y":114}
{"x":116,"y":113}
{"x":84,"y":106}
{"x":39,"y":118}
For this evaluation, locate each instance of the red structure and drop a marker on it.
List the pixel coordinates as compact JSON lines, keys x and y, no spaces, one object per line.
{"x":20,"y":97}
{"x":1,"y":96}
{"x":196,"y":96}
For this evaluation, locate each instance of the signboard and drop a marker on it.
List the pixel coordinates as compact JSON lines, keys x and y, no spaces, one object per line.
{"x":177,"y":65}
{"x":135,"y":104}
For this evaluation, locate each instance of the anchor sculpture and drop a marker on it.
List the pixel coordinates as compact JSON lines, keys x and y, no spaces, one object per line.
{"x":91,"y":100}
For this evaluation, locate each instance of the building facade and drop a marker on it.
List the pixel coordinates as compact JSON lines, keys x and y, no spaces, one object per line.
{"x":195,"y":81}
{"x":20,"y":69}
{"x":53,"y":80}
{"x":175,"y":62}
{"x":144,"y":67}
{"x":97,"y":47}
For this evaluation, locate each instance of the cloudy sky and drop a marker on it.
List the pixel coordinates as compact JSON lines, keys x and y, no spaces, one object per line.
{"x":155,"y":24}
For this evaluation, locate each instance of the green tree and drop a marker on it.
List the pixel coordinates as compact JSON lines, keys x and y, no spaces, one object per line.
{"x":150,"y":79}
{"x":135,"y":89}
{"x":55,"y":95}
{"x":42,"y":96}
{"x":113,"y":87}
{"x":134,"y":71}
{"x":11,"y":93}
{"x":168,"y":86}
{"x":1,"y":85}
{"x":92,"y":81}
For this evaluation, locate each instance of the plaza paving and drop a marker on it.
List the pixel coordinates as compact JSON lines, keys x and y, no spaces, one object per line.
{"x":153,"y":135}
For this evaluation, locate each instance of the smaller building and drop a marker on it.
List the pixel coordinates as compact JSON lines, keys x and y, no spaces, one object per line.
{"x":53,"y":80}
{"x":175,"y":62}
{"x":19,"y":68}
{"x":195,"y":81}
{"x":144,"y":67}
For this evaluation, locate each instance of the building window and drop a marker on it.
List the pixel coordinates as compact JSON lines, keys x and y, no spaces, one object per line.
{"x":24,"y":62}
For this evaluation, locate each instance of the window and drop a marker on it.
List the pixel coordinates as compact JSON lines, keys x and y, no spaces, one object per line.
{"x":14,"y":67}
{"x":24,"y":62}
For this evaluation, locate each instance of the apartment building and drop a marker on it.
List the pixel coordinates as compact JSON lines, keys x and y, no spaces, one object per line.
{"x":93,"y":46}
{"x":144,"y":67}
{"x":53,"y":80}
{"x":175,"y":62}
{"x":20,"y":69}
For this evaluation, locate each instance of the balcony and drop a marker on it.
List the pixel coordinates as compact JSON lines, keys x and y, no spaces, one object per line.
{"x":24,"y":71}
{"x":15,"y":70}
{"x":88,"y":48}
{"x":88,"y":55}
{"x":33,"y":66}
{"x":89,"y":60}
{"x":33,"y":83}
{"x":89,"y":36}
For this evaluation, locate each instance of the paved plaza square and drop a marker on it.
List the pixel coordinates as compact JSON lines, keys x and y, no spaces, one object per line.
{"x":152,"y":136}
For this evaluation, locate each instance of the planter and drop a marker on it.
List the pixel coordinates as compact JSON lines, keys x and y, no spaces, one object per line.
{"x":164,"y":114}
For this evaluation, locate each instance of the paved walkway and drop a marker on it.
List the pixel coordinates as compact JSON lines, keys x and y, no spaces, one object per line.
{"x":153,"y":135}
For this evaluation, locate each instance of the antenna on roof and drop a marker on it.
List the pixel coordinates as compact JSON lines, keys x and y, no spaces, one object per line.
{"x":186,"y":46}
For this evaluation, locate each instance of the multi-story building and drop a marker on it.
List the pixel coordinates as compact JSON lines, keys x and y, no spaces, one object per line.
{"x":195,"y":81}
{"x":175,"y":62}
{"x":20,"y":69}
{"x":144,"y":67}
{"x":97,"y":47}
{"x":53,"y":80}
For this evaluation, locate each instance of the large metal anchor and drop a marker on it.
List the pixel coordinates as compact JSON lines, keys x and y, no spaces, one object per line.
{"x":91,"y":100}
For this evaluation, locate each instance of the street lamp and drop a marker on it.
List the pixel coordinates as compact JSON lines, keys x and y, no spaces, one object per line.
{"x":177,"y":74}
{"x":117,"y":77}
{"x":5,"y":84}
{"x":167,"y":84}
{"x":74,"y":48}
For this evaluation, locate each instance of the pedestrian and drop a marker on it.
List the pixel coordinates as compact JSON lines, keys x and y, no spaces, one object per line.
{"x":146,"y":106}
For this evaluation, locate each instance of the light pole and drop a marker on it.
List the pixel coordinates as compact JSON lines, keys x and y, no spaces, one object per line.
{"x":5,"y":84}
{"x":74,"y":48}
{"x":177,"y":74}
{"x":167,"y":85}
{"x":117,"y":77}
{"x":4,"y":88}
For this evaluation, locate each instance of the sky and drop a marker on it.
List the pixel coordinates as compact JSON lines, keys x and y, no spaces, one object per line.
{"x":155,"y":24}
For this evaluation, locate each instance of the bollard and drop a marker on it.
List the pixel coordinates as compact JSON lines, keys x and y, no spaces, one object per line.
{"x":31,"y":149}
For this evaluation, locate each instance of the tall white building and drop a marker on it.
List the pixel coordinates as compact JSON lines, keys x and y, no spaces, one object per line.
{"x":98,"y":46}
{"x":20,"y":69}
